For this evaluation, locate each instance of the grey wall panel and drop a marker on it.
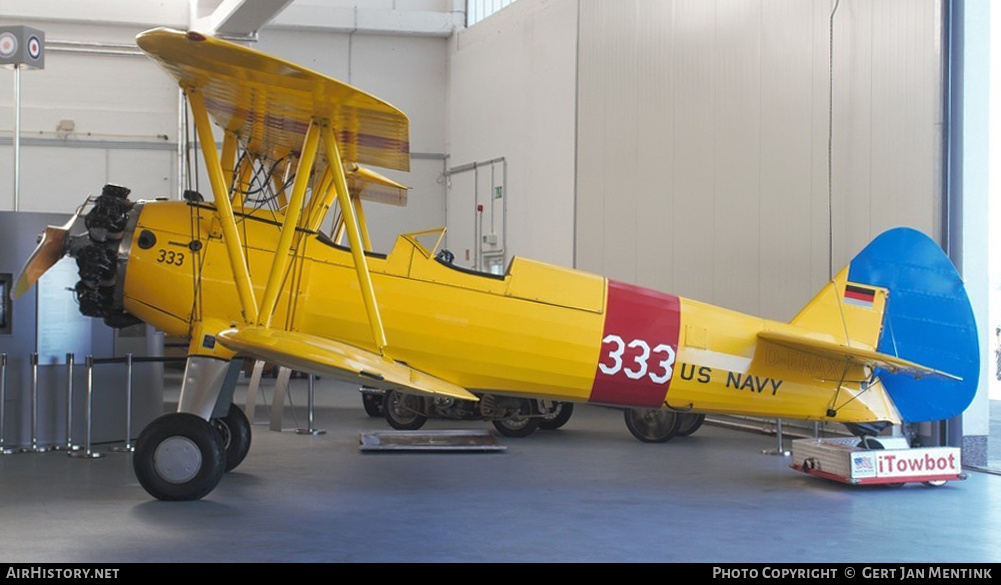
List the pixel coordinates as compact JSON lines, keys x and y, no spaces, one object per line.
{"x":703,"y":136}
{"x":18,"y":236}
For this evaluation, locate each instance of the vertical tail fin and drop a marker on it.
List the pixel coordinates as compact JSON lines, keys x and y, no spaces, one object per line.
{"x":902,"y":296}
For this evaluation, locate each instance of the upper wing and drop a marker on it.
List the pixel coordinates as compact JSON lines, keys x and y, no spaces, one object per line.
{"x":310,"y":353}
{"x":269,"y":102}
{"x":857,"y":355}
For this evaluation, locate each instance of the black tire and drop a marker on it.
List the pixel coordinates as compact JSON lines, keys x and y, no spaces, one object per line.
{"x":690,"y":422}
{"x":523,"y":424}
{"x":179,"y":457}
{"x":559,"y":416}
{"x":234,"y":431}
{"x":653,"y":425}
{"x":403,"y":412}
{"x":372,"y":403}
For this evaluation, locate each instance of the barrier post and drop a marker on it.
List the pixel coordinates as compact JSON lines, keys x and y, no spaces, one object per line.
{"x":311,"y":430}
{"x":3,"y":401}
{"x":128,"y":408}
{"x":778,"y":433}
{"x":34,"y":406}
{"x":69,"y":446}
{"x":86,"y":453}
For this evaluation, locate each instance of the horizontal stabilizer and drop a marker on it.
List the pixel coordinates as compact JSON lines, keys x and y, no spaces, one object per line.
{"x":857,"y":355}
{"x":309,"y":353}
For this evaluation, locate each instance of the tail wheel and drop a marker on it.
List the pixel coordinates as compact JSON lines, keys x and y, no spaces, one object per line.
{"x":523,"y":423}
{"x":690,"y":422}
{"x":403,"y":412}
{"x":234,"y":431}
{"x":655,"y":425}
{"x":869,"y":443}
{"x":179,"y":457}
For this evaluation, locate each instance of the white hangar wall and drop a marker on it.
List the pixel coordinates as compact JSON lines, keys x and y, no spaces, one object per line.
{"x":683,"y":144}
{"x":124,"y":112}
{"x":702,"y":164}
{"x":512,"y":92}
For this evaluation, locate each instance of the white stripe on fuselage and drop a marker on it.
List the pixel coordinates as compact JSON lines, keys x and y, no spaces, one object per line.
{"x":715,"y":360}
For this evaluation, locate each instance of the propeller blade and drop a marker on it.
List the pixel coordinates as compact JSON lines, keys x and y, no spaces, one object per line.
{"x":50,"y":250}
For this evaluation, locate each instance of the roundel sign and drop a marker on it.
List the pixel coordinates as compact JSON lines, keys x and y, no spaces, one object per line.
{"x":8,"y":44}
{"x":34,"y":47}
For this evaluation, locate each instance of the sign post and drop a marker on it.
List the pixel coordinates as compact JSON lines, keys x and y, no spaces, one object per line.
{"x":21,"y":47}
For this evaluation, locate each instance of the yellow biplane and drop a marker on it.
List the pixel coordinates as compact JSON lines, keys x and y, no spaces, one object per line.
{"x":251,"y":274}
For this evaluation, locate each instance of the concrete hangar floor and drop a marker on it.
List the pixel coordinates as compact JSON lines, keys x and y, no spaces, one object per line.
{"x":588,"y":492}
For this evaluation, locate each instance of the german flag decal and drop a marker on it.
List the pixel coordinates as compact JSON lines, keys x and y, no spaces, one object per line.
{"x":860,"y":296}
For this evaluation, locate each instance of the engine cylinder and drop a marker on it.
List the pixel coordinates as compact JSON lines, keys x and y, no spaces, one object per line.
{"x":96,"y":254}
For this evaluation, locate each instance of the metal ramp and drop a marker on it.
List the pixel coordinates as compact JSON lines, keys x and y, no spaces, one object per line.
{"x":451,"y":440}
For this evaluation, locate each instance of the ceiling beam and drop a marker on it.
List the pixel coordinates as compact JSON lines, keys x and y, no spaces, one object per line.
{"x":235,"y":18}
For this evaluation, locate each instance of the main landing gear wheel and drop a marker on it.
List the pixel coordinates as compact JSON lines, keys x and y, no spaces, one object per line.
{"x":557,"y":416}
{"x":179,"y":457}
{"x":690,"y":422}
{"x":234,"y":430}
{"x":522,"y":424}
{"x":653,"y":425}
{"x":403,"y":412}
{"x":372,"y":403}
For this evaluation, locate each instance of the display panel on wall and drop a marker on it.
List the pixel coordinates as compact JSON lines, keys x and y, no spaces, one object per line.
{"x":5,"y":309}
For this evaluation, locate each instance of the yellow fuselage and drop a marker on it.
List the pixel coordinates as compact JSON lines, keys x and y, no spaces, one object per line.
{"x":539,"y":330}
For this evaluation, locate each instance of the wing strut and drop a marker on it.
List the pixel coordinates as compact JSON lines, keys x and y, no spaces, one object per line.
{"x":360,"y":214}
{"x":292,"y":211}
{"x":323,"y":196}
{"x":354,"y":238}
{"x":231,"y":236}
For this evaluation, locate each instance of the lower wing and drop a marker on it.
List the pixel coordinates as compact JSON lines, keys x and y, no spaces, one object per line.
{"x":320,"y":355}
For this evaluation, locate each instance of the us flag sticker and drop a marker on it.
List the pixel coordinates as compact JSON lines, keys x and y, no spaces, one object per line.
{"x":859,"y":295}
